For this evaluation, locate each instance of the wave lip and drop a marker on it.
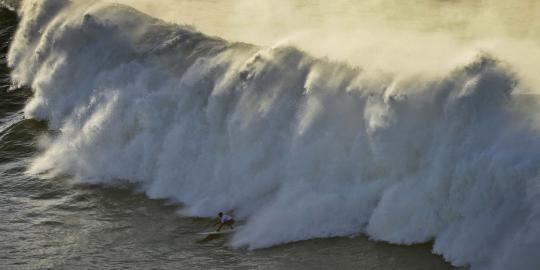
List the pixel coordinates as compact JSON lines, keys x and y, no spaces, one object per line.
{"x":299,"y":147}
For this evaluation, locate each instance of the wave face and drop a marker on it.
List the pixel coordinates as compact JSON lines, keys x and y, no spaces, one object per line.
{"x":296,"y":146}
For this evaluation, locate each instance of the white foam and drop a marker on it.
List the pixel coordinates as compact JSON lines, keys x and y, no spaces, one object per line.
{"x":298,"y":147}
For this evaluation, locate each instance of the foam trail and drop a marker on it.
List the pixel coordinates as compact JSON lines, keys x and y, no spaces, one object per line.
{"x":298,"y":147}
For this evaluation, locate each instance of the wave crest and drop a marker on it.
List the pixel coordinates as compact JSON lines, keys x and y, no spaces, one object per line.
{"x":299,"y":147}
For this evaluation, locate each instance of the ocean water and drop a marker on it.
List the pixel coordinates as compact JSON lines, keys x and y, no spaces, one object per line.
{"x":123,"y":134}
{"x":54,"y":223}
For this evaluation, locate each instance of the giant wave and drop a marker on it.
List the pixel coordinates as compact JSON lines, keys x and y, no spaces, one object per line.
{"x":298,"y":147}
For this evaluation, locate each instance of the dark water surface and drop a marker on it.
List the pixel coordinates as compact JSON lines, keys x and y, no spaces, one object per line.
{"x":55,"y":224}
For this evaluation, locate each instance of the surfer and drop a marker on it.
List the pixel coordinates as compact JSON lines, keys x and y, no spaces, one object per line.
{"x":224,"y":220}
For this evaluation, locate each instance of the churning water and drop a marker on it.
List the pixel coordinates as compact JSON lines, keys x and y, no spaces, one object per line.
{"x":105,"y":107}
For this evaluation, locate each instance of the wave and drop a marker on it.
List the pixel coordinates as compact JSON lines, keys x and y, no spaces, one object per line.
{"x":298,"y":147}
{"x":11,"y":5}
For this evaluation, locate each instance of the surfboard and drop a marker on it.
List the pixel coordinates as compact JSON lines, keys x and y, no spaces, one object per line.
{"x":216,"y":233}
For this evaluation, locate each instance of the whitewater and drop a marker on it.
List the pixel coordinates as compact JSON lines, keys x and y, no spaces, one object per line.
{"x":296,"y":146}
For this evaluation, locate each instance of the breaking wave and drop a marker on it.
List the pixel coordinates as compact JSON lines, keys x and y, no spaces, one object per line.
{"x":298,"y":147}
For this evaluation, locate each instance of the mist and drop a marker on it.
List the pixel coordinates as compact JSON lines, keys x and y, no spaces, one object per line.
{"x":420,"y":38}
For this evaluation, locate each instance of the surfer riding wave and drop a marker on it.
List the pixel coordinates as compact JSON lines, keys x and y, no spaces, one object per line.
{"x":224,"y":220}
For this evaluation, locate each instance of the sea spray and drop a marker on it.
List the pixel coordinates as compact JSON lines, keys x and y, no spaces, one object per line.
{"x":298,"y":147}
